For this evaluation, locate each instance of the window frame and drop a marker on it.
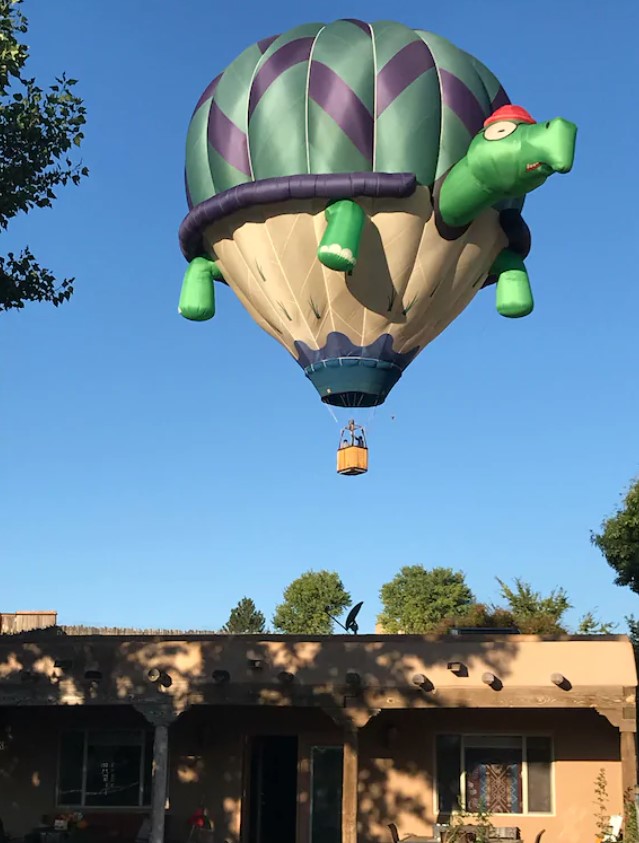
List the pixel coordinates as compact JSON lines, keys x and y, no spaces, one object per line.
{"x":523,"y":737}
{"x":142,"y":732}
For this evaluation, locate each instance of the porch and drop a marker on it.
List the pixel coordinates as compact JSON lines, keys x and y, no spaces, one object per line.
{"x":325,"y":740}
{"x":273,"y":775}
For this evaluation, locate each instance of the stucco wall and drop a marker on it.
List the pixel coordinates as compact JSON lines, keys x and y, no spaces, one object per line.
{"x":397,"y":768}
{"x":396,"y":764}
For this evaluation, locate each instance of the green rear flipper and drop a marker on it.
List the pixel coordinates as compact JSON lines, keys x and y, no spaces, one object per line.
{"x":197,"y":297}
{"x":514,"y":295}
{"x":339,"y":246}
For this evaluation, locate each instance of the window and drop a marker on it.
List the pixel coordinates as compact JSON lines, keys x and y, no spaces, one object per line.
{"x":326,"y":794}
{"x":105,"y":768}
{"x":502,"y":775}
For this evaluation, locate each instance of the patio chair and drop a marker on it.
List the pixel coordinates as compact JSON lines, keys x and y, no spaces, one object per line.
{"x":407,"y":838}
{"x":616,"y":821}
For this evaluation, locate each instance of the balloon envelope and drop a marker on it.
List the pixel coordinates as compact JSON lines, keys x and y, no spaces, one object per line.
{"x":379,"y":113}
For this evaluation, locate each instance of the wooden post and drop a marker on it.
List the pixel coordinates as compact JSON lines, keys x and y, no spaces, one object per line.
{"x":160,"y":717}
{"x":349,"y":783}
{"x":628,"y":761}
{"x":351,"y":719}
{"x":159,"y":781}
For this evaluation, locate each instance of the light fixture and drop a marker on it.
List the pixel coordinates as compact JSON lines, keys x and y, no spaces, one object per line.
{"x":488,"y":678}
{"x":256,"y":664}
{"x":560,"y":681}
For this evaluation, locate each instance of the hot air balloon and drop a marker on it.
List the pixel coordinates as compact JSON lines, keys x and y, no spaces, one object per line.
{"x":356,"y":185}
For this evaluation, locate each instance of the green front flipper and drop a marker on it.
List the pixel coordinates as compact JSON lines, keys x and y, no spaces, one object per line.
{"x":339,"y":246}
{"x":197,"y":298}
{"x":514,"y":294}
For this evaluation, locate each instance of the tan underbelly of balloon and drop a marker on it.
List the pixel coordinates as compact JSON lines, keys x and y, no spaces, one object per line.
{"x":408,"y":282}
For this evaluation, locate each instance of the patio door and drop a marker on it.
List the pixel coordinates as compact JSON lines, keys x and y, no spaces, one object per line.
{"x":273,"y":789}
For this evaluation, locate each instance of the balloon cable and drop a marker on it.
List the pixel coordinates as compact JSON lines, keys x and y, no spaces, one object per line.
{"x":330,"y":410}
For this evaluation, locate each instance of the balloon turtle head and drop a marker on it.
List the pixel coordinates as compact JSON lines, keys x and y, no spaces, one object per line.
{"x":511,"y":156}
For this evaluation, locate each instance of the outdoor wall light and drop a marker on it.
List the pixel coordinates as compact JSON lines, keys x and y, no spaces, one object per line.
{"x":221,"y":676}
{"x":560,"y":681}
{"x":257,"y":664}
{"x":154,"y":675}
{"x":458,"y":668}
{"x":285,"y":677}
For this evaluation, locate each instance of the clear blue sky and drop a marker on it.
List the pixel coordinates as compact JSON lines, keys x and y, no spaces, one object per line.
{"x":150,"y":476}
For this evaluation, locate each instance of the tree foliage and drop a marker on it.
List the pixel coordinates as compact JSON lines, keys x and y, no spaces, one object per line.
{"x":533,"y":613}
{"x":303,"y":609}
{"x":245,"y":617}
{"x":477,"y":616}
{"x":417,"y":600}
{"x":618,"y":540}
{"x":591,"y":625}
{"x":38,"y":130}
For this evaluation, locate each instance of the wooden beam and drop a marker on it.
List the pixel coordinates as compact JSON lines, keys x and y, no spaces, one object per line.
{"x":611,"y":701}
{"x":628,"y":740}
{"x":349,"y":783}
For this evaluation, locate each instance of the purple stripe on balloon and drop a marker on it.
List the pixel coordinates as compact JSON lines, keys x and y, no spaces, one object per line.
{"x":501,"y":98}
{"x":340,"y":102}
{"x":283,"y":188}
{"x":228,"y":140}
{"x":265,"y":43}
{"x":208,"y":92}
{"x":460,"y":99}
{"x":362,"y":25}
{"x":290,"y":54}
{"x":398,"y":73}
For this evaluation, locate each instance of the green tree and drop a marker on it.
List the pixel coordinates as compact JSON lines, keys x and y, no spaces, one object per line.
{"x":479,"y":616}
{"x":590,"y":625}
{"x":416,"y":600}
{"x":245,"y":617}
{"x":38,"y":129}
{"x":303,"y":609}
{"x":533,"y":613}
{"x":618,"y":540}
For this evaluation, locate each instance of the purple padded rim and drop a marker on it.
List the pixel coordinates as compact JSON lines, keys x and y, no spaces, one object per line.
{"x":267,"y":191}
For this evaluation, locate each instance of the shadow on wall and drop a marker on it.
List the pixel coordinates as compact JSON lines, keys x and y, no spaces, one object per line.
{"x":255,"y":678}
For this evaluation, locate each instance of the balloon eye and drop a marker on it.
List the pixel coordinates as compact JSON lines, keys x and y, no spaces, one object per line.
{"x":497,"y":131}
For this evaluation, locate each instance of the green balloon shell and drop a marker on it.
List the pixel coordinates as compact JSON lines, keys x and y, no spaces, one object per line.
{"x":344,"y":97}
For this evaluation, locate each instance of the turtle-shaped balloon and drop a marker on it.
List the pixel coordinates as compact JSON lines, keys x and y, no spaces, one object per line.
{"x":356,"y":185}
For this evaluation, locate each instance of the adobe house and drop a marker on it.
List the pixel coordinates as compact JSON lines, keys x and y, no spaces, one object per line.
{"x":285,"y":739}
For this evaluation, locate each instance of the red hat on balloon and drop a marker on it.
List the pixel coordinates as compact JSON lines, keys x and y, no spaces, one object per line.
{"x":509,"y":112}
